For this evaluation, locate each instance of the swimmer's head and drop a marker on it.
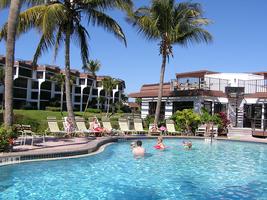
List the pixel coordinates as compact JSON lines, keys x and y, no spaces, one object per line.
{"x":133,"y":144}
{"x":139,"y":143}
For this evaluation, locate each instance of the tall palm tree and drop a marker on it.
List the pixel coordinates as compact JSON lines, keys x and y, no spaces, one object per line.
{"x":61,"y":20}
{"x":109,"y":84}
{"x":92,"y":66}
{"x":170,"y":23}
{"x":10,"y":36}
{"x":60,"y":79}
{"x":2,"y":82}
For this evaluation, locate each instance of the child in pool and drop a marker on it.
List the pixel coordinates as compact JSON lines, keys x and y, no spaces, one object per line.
{"x":187,"y":145}
{"x":160,"y":144}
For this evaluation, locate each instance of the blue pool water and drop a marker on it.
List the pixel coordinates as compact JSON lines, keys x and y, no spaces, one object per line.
{"x":224,"y":170}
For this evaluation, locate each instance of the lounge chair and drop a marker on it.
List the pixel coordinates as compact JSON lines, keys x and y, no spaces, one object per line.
{"x":201,"y":131}
{"x":80,"y":124}
{"x":53,"y":127}
{"x":107,"y":125}
{"x":171,"y":128}
{"x":91,"y":128}
{"x":123,"y":123}
{"x":138,"y":126}
{"x":27,"y":132}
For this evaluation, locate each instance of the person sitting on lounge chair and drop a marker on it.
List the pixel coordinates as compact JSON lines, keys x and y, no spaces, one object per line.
{"x":69,"y":126}
{"x":154,"y":128}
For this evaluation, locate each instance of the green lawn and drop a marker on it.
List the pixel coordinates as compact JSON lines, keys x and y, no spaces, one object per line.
{"x":37,"y":118}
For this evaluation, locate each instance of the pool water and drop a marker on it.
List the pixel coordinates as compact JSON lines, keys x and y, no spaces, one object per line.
{"x":223,"y":170}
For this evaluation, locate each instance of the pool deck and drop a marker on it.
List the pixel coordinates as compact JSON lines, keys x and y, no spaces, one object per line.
{"x":55,"y":148}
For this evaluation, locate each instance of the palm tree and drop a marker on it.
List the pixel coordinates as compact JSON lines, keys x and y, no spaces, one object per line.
{"x":10,"y":36}
{"x":2,"y":82}
{"x":170,"y":23}
{"x":109,"y":84}
{"x":59,"y":21}
{"x":92,"y":66}
{"x":60,"y":79}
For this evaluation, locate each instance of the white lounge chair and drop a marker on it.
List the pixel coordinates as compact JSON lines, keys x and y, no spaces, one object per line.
{"x":53,"y":127}
{"x":123,"y":123}
{"x":80,"y":124}
{"x":201,"y":131}
{"x":138,"y":126}
{"x":107,"y":125}
{"x":171,"y":128}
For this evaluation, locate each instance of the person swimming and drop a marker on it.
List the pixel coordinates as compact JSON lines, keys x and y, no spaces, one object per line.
{"x":138,"y":150}
{"x":187,"y":145}
{"x":133,"y":145}
{"x":160,"y":144}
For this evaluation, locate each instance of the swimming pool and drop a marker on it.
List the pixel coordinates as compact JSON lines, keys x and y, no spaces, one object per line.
{"x":223,"y":170}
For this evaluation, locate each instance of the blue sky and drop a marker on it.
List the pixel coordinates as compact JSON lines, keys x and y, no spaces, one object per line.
{"x":240,"y":45}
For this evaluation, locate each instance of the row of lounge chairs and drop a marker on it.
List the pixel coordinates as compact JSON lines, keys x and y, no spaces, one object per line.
{"x":123,"y":127}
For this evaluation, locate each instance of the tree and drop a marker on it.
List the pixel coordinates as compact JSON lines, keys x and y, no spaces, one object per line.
{"x":109,"y":84}
{"x":9,"y":33}
{"x":92,"y":66}
{"x":2,"y":82}
{"x":170,"y":23}
{"x":59,"y":21}
{"x":60,"y":79}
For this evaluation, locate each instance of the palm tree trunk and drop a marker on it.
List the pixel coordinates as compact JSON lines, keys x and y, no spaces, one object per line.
{"x":88,"y":99}
{"x":10,"y":51}
{"x":108,"y":106}
{"x":162,"y":72}
{"x":67,"y":75}
{"x":61,"y":98}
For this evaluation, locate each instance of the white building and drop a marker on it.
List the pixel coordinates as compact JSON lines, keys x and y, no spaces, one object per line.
{"x":33,"y":86}
{"x":243,"y":96}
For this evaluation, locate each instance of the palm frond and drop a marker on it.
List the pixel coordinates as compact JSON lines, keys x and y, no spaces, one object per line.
{"x":44,"y":45}
{"x":101,"y":19}
{"x":59,"y":39}
{"x":81,"y":34}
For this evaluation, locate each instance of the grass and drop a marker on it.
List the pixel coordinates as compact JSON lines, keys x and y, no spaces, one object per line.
{"x":38,"y":118}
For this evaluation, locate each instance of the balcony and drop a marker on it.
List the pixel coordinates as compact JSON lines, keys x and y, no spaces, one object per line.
{"x":253,"y":86}
{"x":201,"y":83}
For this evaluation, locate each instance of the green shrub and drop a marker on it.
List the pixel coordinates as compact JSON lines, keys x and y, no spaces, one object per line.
{"x":93,"y":110}
{"x":148,"y":120}
{"x":23,"y":119}
{"x":187,"y":120}
{"x":50,"y":108}
{"x":6,"y":138}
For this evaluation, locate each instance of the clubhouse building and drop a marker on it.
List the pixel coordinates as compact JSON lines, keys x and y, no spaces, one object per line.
{"x":243,"y":96}
{"x":34,"y":87}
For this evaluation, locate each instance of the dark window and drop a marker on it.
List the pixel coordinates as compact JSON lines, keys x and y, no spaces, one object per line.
{"x":181,"y":105}
{"x":57,"y":88}
{"x":99,"y":84}
{"x":45,"y":95}
{"x":49,"y":75}
{"x":35,"y":84}
{"x":20,"y":93}
{"x":117,"y":94}
{"x":208,"y":106}
{"x":120,"y":86}
{"x":95,"y":91}
{"x":34,"y":95}
{"x":102,"y":93}
{"x":82,"y":81}
{"x":21,"y":82}
{"x":85,"y":97}
{"x":152,"y":109}
{"x":46,"y":85}
{"x":89,"y":82}
{"x":86,"y":90}
{"x":218,"y":107}
{"x":57,"y":97}
{"x":25,"y":72}
{"x":252,"y":115}
{"x":77,"y":98}
{"x":78,"y":90}
{"x":39,"y":74}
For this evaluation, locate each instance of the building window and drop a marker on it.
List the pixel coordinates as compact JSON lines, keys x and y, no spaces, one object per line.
{"x":99,"y":84}
{"x":82,"y":81}
{"x":46,"y":85}
{"x":21,"y":82}
{"x":219,"y":107}
{"x":39,"y":74}
{"x":20,"y":93}
{"x":77,"y":98}
{"x":95,"y":92}
{"x":35,"y":84}
{"x":208,"y":106}
{"x":89,"y":82}
{"x":152,"y":109}
{"x":34,"y":95}
{"x":181,"y":105}
{"x":25,"y":72}
{"x":45,"y":95}
{"x":49,"y":75}
{"x":77,"y":90}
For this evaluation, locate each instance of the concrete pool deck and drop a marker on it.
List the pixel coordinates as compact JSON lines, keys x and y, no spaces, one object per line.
{"x":70,"y":147}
